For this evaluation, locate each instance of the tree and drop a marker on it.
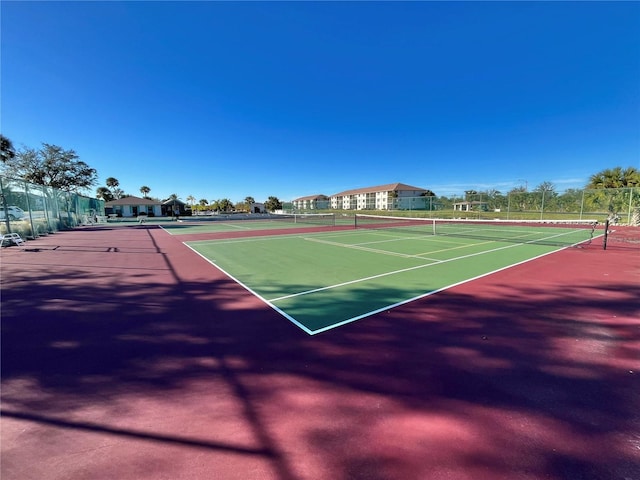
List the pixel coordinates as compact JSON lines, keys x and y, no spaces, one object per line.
{"x":203,"y":202}
{"x":112,"y":191}
{"x":245,"y":205}
{"x":104,"y":193}
{"x":518,"y":198}
{"x":495,"y":199}
{"x":112,"y":182}
{"x":615,"y":178}
{"x":545,"y":187}
{"x":225,"y":205}
{"x":51,"y":166}
{"x":191,"y":199}
{"x":470,"y":195}
{"x":608,"y":185}
{"x":547,"y":197}
{"x":570,"y":200}
{"x":272,"y":204}
{"x":144,"y":190}
{"x":7,"y":151}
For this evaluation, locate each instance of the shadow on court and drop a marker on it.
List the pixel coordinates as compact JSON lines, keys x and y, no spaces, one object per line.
{"x":155,"y":365}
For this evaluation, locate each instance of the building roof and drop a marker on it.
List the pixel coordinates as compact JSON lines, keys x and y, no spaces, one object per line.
{"x":173,"y":201}
{"x":131,"y":201}
{"x":312,"y":197}
{"x":380,"y":188}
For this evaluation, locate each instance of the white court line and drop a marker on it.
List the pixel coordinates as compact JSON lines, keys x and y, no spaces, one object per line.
{"x":438,"y":262}
{"x":427,"y":294}
{"x":281,"y":312}
{"x":359,"y":247}
{"x":387,"y":307}
{"x":234,"y":226}
{"x":386,"y":274}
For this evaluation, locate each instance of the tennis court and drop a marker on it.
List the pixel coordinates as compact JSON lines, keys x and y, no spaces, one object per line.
{"x":239,"y":223}
{"x":126,"y":355}
{"x":322,"y":280}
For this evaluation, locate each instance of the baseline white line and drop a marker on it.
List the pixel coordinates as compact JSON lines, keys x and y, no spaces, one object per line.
{"x":281,"y":312}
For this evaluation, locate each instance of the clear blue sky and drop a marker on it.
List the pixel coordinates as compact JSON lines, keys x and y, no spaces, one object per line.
{"x":226,"y":99}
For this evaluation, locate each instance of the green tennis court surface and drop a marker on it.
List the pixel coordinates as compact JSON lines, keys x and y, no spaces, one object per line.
{"x":323,"y":280}
{"x":235,"y":223}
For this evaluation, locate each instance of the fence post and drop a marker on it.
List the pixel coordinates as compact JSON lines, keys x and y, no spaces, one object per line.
{"x":4,"y":206}
{"x":34,"y":232}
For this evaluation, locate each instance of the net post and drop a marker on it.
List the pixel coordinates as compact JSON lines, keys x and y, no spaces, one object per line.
{"x":606,"y":234}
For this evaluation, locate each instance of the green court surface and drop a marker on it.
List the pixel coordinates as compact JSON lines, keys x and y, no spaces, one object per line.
{"x":323,"y":280}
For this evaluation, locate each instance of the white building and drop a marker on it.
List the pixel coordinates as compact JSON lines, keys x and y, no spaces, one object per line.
{"x":133,"y":206}
{"x":257,"y":208}
{"x":311,"y":202}
{"x":383,"y":197}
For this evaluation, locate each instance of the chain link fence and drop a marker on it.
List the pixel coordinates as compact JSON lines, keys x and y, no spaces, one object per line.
{"x":34,"y":210}
{"x":619,"y":205}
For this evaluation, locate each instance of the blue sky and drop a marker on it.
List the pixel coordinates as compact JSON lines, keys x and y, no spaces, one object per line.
{"x":235,"y":99}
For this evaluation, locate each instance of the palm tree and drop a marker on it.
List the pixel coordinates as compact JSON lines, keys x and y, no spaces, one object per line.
{"x":609,"y":185}
{"x":191,"y":199}
{"x":104,"y":193}
{"x":114,"y":186}
{"x":145,"y":190}
{"x":615,"y":178}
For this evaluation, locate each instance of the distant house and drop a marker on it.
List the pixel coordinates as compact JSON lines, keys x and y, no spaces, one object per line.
{"x":174,"y":206}
{"x":257,"y":208}
{"x":382,"y":197}
{"x":132,"y":207}
{"x":312,"y":202}
{"x":470,"y":206}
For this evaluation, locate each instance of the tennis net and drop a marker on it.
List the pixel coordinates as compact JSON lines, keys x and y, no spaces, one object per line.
{"x":307,"y":218}
{"x":547,"y":232}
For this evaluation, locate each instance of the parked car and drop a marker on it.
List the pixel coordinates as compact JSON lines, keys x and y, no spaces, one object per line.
{"x":12,"y":212}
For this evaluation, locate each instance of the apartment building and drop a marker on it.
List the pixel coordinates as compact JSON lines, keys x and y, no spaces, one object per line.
{"x":311,"y":202}
{"x":382,"y":197}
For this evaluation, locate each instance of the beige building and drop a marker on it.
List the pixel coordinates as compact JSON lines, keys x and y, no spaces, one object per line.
{"x":382,"y":197}
{"x":311,"y":202}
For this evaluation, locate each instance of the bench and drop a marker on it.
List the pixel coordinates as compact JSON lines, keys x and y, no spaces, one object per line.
{"x":12,"y":239}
